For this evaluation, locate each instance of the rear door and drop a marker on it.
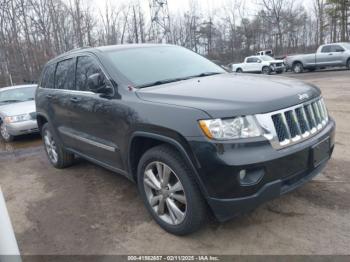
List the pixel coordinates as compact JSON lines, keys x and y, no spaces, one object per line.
{"x":59,"y":97}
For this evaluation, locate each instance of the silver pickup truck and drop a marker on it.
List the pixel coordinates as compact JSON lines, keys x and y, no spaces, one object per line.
{"x":330,"y":55}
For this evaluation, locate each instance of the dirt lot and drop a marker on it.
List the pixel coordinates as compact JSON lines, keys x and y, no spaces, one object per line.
{"x":88,"y":210}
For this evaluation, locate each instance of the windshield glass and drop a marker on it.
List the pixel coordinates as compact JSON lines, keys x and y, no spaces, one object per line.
{"x":147,"y":65}
{"x":266,"y":58}
{"x":346,"y":45}
{"x":17,"y":95}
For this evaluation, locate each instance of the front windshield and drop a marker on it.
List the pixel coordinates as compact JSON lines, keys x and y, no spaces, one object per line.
{"x":346,"y":45}
{"x":266,"y":58}
{"x":147,"y":65}
{"x":17,"y":95}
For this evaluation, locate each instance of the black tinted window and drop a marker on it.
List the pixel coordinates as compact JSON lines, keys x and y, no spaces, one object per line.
{"x":65,"y":77}
{"x":47,"y":80}
{"x":326,"y":49}
{"x":337,"y":48}
{"x":86,"y":66}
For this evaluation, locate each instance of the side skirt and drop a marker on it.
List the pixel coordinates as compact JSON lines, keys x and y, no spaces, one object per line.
{"x":102,"y":164}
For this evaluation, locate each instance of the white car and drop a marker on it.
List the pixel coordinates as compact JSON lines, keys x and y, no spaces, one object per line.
{"x":259,"y":64}
{"x":17,"y":111}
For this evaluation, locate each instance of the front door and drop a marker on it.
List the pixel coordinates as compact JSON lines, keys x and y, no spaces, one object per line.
{"x":337,"y":51}
{"x":93,"y":119}
{"x":325,"y":57}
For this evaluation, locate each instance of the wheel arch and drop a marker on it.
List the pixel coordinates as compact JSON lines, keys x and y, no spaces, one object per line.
{"x":296,"y":62}
{"x":41,"y":120}
{"x":148,"y":140}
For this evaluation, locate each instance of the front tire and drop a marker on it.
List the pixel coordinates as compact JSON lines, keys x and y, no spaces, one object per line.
{"x":169,"y":191}
{"x":298,"y":68}
{"x":5,"y":135}
{"x":57,"y":155}
{"x":348,"y":64}
{"x":266,"y":70}
{"x":239,"y":70}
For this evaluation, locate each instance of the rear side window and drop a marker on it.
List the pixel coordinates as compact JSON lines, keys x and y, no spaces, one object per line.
{"x":65,"y":75}
{"x":48,"y":76}
{"x":86,"y":66}
{"x":326,"y":49}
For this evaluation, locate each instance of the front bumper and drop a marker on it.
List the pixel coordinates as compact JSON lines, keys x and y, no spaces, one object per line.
{"x":284,"y":170}
{"x":22,"y":128}
{"x":278,"y":68}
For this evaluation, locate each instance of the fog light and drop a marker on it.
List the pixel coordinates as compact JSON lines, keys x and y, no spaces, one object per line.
{"x":250,"y":177}
{"x":242,"y":174}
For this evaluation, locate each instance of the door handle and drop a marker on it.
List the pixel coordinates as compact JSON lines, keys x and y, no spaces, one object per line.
{"x":75,"y":99}
{"x":330,"y":54}
{"x":49,"y":96}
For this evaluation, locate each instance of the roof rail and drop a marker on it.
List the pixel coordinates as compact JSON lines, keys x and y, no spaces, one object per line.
{"x":78,"y":48}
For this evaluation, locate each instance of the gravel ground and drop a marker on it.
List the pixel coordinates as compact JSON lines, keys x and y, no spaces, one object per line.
{"x":88,"y":210}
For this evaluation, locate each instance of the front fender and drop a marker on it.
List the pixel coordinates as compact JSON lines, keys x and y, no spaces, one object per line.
{"x":184,"y":150}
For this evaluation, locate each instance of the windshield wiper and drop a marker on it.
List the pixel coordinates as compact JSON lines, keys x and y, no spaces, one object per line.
{"x":205,"y":74}
{"x":166,"y":81}
{"x":161,"y":82}
{"x":11,"y":101}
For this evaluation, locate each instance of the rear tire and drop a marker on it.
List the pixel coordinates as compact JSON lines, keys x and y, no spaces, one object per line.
{"x":57,"y":155}
{"x":5,"y":134}
{"x":170,"y":192}
{"x":298,"y":68}
{"x":348,"y":64}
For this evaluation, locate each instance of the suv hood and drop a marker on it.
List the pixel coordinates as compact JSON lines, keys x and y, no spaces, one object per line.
{"x":228,"y":95}
{"x":19,"y":108}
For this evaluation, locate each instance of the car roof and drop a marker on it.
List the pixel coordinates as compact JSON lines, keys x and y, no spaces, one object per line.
{"x":106,"y":49}
{"x":17,"y":87}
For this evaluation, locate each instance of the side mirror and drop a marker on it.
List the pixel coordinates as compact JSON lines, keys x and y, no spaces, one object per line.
{"x":96,"y":83}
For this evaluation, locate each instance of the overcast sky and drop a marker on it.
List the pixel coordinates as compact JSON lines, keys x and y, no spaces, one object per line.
{"x":181,"y":6}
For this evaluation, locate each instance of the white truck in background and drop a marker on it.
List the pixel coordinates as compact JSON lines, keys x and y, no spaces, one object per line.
{"x":259,"y":64}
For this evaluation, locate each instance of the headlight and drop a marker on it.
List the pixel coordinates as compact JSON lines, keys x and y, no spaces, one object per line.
{"x":19,"y":118}
{"x":233,"y":128}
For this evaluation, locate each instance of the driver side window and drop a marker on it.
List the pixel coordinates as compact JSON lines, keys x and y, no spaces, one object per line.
{"x":86,"y":66}
{"x":326,"y":49}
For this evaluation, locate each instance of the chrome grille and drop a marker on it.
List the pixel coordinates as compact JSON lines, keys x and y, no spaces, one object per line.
{"x":295,"y":124}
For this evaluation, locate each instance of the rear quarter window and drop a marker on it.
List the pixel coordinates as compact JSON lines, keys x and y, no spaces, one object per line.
{"x":65,"y":75}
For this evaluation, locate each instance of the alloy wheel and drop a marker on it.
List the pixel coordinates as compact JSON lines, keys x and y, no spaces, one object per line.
{"x":50,"y":146}
{"x":266,"y":70}
{"x":165,"y":193}
{"x":297,"y":68}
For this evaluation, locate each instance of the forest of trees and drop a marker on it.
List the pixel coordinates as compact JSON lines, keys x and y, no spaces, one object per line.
{"x":34,"y":31}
